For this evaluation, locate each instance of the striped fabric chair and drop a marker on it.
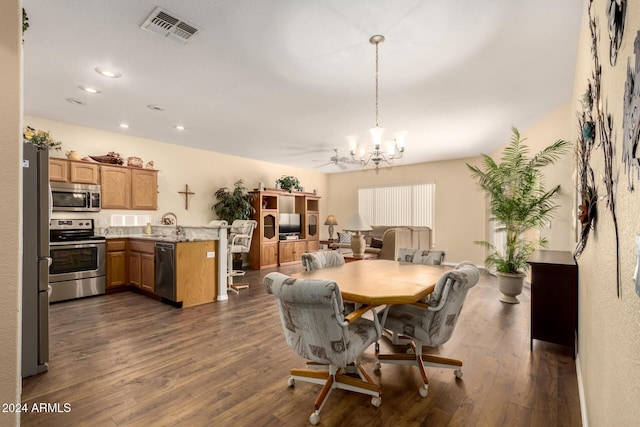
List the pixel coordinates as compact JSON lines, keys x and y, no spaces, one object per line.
{"x":322,"y":259}
{"x":431,"y":324}
{"x":314,"y":326}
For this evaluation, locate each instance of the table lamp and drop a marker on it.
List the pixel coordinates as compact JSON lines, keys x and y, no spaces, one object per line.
{"x":331,"y":221}
{"x":357,"y":223}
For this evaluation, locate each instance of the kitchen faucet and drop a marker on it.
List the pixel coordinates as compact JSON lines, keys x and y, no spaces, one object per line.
{"x":165,"y":220}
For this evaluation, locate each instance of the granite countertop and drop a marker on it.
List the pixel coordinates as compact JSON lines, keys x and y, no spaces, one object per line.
{"x":163,"y":233}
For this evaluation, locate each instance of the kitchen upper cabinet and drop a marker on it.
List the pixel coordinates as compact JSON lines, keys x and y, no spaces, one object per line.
{"x":116,"y":187}
{"x":58,"y":170}
{"x":83,"y":173}
{"x":77,"y":172}
{"x":129,"y":188}
{"x":144,"y":189}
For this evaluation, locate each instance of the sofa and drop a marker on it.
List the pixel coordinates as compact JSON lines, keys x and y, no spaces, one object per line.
{"x":385,"y":241}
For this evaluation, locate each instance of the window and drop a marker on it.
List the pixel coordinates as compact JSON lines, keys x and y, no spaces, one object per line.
{"x":412,"y":205}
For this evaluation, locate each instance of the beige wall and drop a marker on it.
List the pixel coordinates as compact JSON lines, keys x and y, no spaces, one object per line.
{"x":557,"y":125}
{"x":459,"y":217}
{"x":11,"y":196}
{"x":204,"y":171}
{"x":609,"y":346}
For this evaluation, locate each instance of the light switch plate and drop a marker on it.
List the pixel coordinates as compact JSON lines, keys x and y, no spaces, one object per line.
{"x":102,"y":221}
{"x":211,"y":254}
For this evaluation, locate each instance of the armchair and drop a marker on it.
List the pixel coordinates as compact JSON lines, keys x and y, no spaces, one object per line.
{"x":311,"y":312}
{"x":240,"y":236}
{"x":431,"y":324}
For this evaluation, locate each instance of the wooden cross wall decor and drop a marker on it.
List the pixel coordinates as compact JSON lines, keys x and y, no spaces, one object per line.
{"x":186,"y":193}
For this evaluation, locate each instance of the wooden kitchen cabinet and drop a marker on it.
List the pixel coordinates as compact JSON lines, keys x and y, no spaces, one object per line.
{"x":129,"y":188}
{"x":291,"y":251}
{"x":116,"y":187}
{"x":58,"y":170}
{"x":116,"y":263}
{"x":554,"y":298}
{"x":144,"y":189}
{"x":76,"y":172}
{"x":83,"y":173}
{"x":142,"y":264}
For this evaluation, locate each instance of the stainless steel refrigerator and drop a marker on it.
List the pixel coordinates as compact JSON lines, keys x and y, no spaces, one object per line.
{"x":35,"y":261}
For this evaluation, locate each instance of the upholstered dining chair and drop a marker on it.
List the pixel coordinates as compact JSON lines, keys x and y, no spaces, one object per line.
{"x":431,"y":324}
{"x":314,"y":326}
{"x":240,"y":235}
{"x":416,"y":256}
{"x":421,"y":256}
{"x":321,"y":259}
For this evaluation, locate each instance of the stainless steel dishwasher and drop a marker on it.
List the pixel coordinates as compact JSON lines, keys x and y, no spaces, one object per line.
{"x":165,"y":270}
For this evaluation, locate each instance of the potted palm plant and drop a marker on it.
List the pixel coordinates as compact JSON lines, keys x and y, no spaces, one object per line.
{"x":518,"y":202}
{"x":231,"y":205}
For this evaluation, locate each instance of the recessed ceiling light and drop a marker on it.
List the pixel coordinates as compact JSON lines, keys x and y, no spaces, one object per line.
{"x":108,"y":73}
{"x":75,"y":101}
{"x":89,"y":89}
{"x":155,"y":107}
{"x":179,"y":127}
{"x":124,"y":125}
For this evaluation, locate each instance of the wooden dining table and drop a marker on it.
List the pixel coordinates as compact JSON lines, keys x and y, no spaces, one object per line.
{"x":379,"y":282}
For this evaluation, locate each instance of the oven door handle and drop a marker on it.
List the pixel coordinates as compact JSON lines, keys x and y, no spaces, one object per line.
{"x":78,"y":243}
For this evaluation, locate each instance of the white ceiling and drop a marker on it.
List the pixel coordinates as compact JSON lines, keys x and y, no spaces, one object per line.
{"x":287,"y":80}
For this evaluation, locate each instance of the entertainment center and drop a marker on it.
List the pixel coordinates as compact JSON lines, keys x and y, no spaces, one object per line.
{"x":288,"y":226}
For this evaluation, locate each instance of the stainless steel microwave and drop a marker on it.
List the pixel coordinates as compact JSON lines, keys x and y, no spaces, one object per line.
{"x":75,"y":197}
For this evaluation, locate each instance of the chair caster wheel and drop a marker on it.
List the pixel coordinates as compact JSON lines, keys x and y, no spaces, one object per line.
{"x":457,"y":373}
{"x":376,"y":401}
{"x":377,"y":366}
{"x":424,"y":391}
{"x":291,"y":382}
{"x":377,"y":347}
{"x":314,"y":419}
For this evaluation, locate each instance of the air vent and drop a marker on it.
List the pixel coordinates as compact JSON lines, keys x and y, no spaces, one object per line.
{"x":163,"y":23}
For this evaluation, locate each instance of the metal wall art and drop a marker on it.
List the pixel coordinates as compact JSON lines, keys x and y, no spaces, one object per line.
{"x":587,"y":186}
{"x":616,"y":11}
{"x":631,"y":119}
{"x":604,"y":124}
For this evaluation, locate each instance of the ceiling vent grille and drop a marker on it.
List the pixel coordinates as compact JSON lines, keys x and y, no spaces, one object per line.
{"x":163,"y":23}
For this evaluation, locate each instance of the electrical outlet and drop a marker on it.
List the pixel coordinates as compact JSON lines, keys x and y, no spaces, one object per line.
{"x":102,"y":221}
{"x":211,"y":254}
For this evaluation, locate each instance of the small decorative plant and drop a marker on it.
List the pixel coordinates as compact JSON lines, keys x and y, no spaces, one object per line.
{"x":41,"y":139}
{"x":288,"y":182}
{"x":234,"y":204}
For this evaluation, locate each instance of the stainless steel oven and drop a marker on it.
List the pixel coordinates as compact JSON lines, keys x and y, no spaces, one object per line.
{"x":75,"y":197}
{"x":78,"y":260}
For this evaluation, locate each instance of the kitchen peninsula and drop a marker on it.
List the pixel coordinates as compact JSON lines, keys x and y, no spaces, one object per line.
{"x":185,"y":265}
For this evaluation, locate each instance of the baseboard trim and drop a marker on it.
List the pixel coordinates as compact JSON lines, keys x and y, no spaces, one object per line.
{"x":583,"y":400}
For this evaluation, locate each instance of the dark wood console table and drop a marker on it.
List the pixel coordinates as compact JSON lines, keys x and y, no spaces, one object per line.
{"x":554,"y":298}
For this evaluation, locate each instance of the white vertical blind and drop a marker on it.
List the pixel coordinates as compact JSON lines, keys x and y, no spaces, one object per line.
{"x":398,"y":205}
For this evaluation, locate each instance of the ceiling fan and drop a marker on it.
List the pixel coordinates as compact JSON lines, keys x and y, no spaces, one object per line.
{"x":341,"y":162}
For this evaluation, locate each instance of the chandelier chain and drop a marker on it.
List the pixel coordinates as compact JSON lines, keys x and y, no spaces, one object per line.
{"x":377,"y":43}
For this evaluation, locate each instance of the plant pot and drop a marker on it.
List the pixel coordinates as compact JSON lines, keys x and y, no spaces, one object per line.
{"x":511,"y":286}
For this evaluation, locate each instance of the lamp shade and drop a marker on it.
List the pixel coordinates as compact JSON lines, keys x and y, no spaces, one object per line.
{"x":357,"y":223}
{"x":331,"y":220}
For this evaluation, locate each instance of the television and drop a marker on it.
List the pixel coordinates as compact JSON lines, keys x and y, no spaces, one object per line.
{"x":289,"y":223}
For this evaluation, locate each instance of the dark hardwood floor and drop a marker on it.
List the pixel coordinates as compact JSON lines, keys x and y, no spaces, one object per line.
{"x":128,"y":360}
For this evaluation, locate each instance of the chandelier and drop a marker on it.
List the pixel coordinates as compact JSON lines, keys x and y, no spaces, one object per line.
{"x":394,"y":149}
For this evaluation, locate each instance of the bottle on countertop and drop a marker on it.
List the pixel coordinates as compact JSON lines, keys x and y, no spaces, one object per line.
{"x":147,"y":229}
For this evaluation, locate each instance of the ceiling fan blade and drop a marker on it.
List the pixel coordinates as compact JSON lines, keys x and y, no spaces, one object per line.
{"x":326,"y":164}
{"x":342,"y":166}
